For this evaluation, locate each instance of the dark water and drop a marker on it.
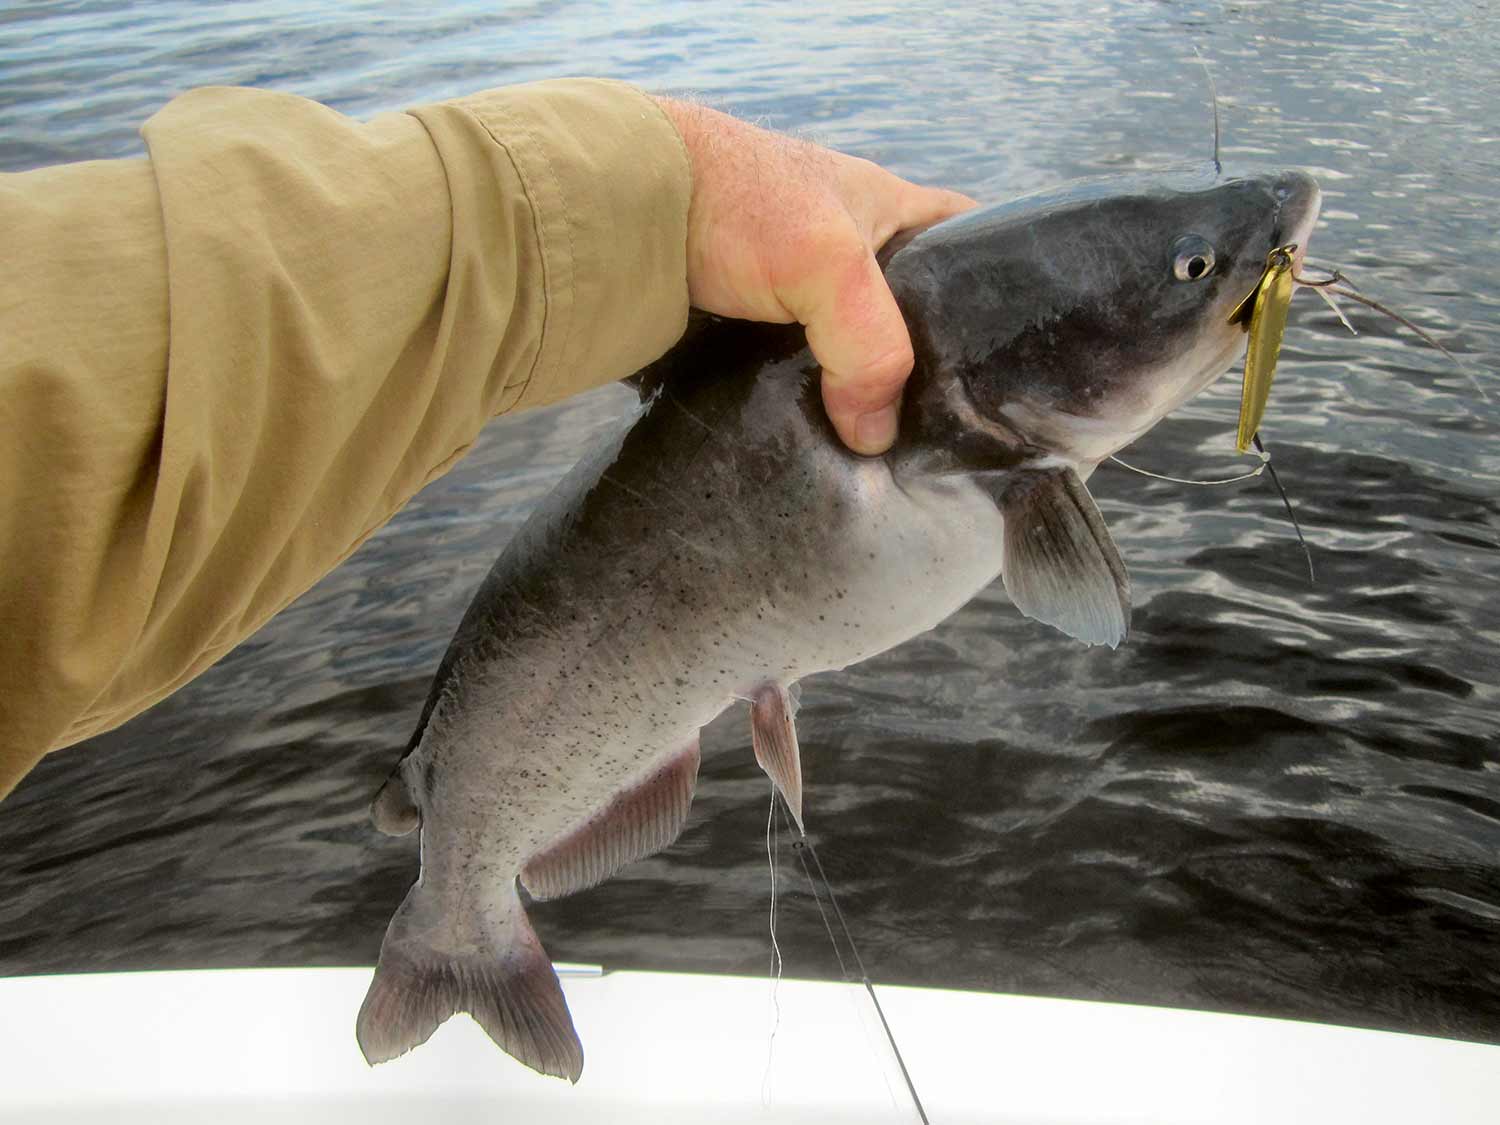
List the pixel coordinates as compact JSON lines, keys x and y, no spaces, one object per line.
{"x":1276,"y":798}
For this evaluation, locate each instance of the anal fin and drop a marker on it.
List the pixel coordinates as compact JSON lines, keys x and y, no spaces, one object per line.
{"x":1061,"y":565}
{"x":636,"y":823}
{"x":774,"y":736}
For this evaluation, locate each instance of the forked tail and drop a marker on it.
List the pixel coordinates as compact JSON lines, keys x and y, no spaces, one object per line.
{"x":489,"y":964}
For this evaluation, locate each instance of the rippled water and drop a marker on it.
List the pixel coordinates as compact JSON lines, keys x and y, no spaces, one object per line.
{"x":1275,"y":798}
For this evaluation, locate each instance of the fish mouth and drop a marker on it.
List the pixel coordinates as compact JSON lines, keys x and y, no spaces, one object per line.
{"x":1299,"y":199}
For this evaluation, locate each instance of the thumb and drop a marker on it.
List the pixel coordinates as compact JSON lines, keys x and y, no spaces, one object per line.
{"x":857,"y":334}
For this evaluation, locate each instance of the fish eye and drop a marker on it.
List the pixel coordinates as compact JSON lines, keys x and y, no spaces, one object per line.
{"x":1192,"y":258}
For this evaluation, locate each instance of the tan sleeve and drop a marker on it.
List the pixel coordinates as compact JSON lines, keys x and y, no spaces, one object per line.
{"x":223,"y":367}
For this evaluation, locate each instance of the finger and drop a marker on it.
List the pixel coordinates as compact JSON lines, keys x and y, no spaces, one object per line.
{"x":884,"y":204}
{"x":922,"y":205}
{"x":859,"y":337}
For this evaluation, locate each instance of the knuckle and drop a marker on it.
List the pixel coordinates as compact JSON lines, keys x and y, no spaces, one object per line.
{"x":890,"y":367}
{"x":874,"y":380}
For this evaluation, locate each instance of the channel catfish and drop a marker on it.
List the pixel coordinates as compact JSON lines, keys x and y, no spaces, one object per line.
{"x":728,"y":545}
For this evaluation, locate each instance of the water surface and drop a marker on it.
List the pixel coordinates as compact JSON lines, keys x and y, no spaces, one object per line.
{"x":1275,"y":798}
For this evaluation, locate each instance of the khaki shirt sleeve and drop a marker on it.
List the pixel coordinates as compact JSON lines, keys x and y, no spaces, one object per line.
{"x":223,"y":367}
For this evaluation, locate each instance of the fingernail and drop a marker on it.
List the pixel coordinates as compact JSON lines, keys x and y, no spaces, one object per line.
{"x":874,"y":432}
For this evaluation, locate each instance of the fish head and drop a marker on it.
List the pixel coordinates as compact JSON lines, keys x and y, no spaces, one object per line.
{"x":1068,"y":323}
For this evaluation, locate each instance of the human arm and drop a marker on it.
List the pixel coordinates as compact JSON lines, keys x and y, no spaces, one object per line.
{"x":225,"y":366}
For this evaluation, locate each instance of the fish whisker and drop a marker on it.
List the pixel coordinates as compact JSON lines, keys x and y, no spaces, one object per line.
{"x":1427,"y":337}
{"x":1321,"y":291}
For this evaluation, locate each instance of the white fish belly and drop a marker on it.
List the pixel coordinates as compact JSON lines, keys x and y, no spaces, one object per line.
{"x":543,"y":740}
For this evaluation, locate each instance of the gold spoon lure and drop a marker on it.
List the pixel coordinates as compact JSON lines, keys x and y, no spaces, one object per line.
{"x":1265,"y":310}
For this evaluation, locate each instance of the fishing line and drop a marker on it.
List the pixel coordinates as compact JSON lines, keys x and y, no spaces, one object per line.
{"x":771,"y":849}
{"x":776,"y":962}
{"x":804,"y":848}
{"x":800,"y":848}
{"x":1265,"y":466}
{"x":838,"y":952}
{"x":1286,"y":500}
{"x":1265,"y":463}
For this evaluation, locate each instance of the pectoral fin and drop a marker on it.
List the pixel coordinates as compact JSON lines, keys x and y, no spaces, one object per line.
{"x":1061,"y":567}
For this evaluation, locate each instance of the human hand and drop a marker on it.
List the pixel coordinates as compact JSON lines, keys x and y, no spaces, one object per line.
{"x":782,"y":230}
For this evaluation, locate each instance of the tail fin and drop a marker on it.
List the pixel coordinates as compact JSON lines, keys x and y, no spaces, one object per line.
{"x":503,"y":979}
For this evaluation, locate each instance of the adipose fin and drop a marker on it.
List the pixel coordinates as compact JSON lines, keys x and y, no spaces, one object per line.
{"x":393,"y":811}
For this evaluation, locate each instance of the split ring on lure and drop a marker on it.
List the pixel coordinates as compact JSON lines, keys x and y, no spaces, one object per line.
{"x":1263,"y":312}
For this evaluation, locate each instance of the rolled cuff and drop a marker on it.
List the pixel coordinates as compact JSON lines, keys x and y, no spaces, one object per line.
{"x":609,"y":182}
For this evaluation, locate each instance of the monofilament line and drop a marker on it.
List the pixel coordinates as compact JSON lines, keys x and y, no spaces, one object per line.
{"x":804,"y":848}
{"x":1287,"y":502}
{"x":772,"y":843}
{"x":1264,"y":466}
{"x":1265,"y":461}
